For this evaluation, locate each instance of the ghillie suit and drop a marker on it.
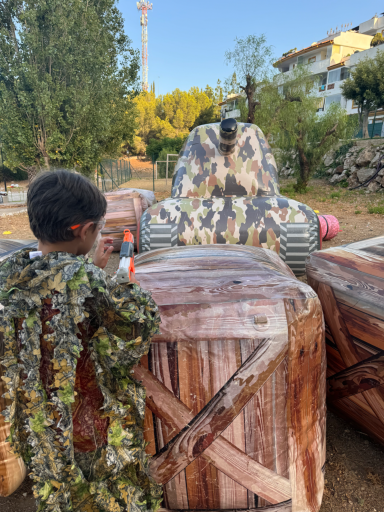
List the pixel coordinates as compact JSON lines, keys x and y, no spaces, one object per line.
{"x":71,"y":339}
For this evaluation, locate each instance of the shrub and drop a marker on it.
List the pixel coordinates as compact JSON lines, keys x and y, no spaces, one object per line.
{"x":376,"y":209}
{"x":358,"y":212}
{"x":335,"y":195}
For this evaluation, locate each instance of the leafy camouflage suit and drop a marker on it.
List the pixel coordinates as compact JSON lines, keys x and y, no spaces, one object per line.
{"x":80,"y":432}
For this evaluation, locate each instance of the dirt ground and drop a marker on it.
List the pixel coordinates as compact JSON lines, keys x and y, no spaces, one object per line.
{"x":354,"y":474}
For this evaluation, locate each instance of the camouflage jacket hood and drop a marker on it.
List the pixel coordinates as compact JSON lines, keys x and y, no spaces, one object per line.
{"x":71,"y":338}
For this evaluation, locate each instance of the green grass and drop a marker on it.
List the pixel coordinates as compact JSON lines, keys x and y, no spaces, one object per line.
{"x":358,"y":211}
{"x":335,"y":195}
{"x":376,"y":209}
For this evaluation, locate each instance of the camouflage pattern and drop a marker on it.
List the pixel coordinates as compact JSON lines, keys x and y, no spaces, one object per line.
{"x":56,"y":308}
{"x":202,"y":171}
{"x":230,"y":200}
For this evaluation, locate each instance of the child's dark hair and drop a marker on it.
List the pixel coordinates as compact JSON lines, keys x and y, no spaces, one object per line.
{"x":60,"y":199}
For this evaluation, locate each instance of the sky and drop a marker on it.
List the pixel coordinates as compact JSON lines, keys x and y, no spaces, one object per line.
{"x":187,"y":39}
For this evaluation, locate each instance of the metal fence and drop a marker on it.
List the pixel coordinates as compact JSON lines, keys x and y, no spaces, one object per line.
{"x":113,"y":173}
{"x":16,"y":195}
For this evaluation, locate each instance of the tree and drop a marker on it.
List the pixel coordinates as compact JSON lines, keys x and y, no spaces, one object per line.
{"x":364,"y":87}
{"x":252,"y":61}
{"x":67,"y":75}
{"x":377,"y":40}
{"x":288,"y":115}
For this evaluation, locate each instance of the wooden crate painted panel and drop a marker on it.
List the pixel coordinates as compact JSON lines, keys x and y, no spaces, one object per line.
{"x":349,"y":281}
{"x":235,"y":381}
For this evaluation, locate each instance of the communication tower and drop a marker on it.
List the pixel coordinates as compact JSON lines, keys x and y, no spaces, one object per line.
{"x":144,"y":6}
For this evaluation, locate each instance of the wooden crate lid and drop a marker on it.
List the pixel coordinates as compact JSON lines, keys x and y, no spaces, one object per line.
{"x":215,"y":291}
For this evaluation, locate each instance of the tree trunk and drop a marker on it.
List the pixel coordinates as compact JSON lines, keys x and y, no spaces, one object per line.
{"x":305,"y":170}
{"x":365,"y":124}
{"x":249,"y":90}
{"x":32,"y":172}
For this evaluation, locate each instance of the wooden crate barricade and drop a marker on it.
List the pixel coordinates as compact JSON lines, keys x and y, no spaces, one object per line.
{"x":235,"y":382}
{"x":349,"y":281}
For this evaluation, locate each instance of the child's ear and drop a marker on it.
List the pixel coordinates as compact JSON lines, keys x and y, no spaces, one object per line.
{"x":84,"y":230}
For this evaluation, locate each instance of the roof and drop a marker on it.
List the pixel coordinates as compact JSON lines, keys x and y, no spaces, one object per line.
{"x":314,"y":46}
{"x":339,"y":64}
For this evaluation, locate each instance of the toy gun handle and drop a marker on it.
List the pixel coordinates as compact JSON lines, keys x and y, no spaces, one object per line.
{"x":127,"y":265}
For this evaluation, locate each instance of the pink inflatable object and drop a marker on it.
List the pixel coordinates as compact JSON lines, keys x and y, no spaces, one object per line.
{"x":329,"y":226}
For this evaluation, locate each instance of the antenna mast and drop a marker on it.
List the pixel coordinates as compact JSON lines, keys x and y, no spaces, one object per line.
{"x":144,"y":6}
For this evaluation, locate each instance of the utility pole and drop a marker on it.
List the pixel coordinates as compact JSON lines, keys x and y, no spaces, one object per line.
{"x":144,"y":6}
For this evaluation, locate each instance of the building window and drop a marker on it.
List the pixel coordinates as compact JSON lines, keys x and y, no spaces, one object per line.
{"x":331,"y":86}
{"x":336,"y":98}
{"x":333,"y":76}
{"x":300,"y":60}
{"x":344,"y":73}
{"x":354,"y":105}
{"x":312,"y":59}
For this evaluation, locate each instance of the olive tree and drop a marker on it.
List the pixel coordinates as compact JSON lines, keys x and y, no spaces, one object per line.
{"x":252,"y":61}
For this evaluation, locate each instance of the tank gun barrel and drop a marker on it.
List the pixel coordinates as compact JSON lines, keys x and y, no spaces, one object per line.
{"x":227,"y":137}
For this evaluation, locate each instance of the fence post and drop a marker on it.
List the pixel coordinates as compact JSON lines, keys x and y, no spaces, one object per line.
{"x":166,"y":172}
{"x":153,"y":171}
{"x":156,"y":169}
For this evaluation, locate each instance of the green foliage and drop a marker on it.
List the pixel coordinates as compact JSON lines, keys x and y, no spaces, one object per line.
{"x":173,"y":146}
{"x":358,"y":212}
{"x":377,"y":39}
{"x":252,"y":61}
{"x":365,"y":87}
{"x":342,"y":151}
{"x":67,"y":73}
{"x":376,"y":209}
{"x":288,"y":115}
{"x":335,"y":195}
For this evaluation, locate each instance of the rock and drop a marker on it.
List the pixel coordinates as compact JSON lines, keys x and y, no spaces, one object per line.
{"x":349,"y":162}
{"x":336,"y":178}
{"x":328,"y":158}
{"x":339,"y":169}
{"x":352,"y":180}
{"x":331,"y":171}
{"x":373,"y":187}
{"x":381,"y":172}
{"x":364,"y":174}
{"x":375,"y":160}
{"x":365,"y":157}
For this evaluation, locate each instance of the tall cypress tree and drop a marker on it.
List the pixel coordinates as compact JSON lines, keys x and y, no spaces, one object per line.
{"x":67,"y":71}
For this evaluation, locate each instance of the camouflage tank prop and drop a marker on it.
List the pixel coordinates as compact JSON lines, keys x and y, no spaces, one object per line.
{"x":226,"y":191}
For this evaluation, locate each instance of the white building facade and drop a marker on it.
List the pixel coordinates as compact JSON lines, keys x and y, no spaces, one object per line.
{"x":331,"y":60}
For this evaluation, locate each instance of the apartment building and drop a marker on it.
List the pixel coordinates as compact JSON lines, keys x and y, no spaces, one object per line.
{"x":331,"y":60}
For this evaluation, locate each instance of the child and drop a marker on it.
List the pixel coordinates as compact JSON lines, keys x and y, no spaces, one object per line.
{"x":71,"y":338}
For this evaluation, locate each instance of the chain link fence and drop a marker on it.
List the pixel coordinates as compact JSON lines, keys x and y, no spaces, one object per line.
{"x":113,"y":173}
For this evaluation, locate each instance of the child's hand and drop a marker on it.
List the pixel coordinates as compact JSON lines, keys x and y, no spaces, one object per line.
{"x":102,"y":253}
{"x":133,"y":280}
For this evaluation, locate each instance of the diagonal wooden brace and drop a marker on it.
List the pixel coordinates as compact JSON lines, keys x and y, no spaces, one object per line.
{"x":357,"y":378}
{"x":346,"y":346}
{"x":222,"y":454}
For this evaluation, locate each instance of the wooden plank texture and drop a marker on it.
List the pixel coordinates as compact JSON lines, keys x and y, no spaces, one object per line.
{"x":306,"y":404}
{"x":220,"y":412}
{"x":357,"y":378}
{"x":281,"y":507}
{"x":12,"y":468}
{"x":345,"y":344}
{"x":222,"y":454}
